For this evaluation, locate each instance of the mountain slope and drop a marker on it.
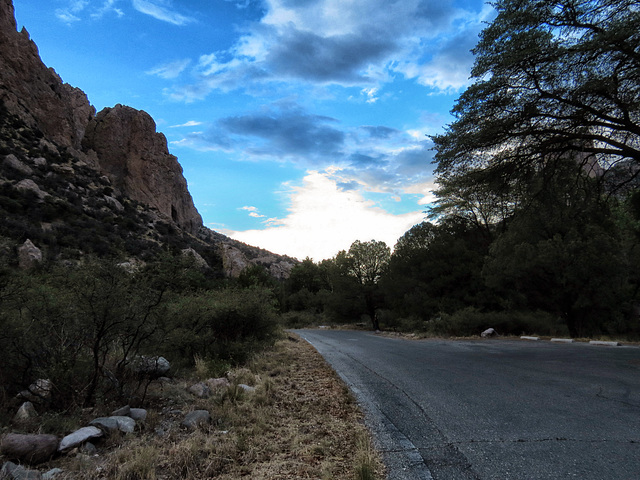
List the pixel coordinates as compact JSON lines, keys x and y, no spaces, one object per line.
{"x":75,"y":182}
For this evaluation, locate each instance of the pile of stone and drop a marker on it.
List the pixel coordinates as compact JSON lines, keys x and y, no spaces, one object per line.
{"x":33,"y":449}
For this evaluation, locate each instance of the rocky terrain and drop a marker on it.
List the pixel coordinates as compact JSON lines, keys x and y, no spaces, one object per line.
{"x":73,"y":181}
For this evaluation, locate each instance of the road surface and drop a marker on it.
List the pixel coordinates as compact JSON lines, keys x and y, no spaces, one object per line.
{"x":493,"y":409}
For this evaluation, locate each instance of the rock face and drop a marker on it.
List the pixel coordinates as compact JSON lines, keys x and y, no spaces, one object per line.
{"x":29,"y":255}
{"x":36,"y":93}
{"x":121,"y":142}
{"x":235,"y":261}
{"x":136,"y":160}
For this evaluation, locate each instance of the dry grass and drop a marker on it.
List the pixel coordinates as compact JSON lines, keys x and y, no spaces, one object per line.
{"x":301,"y":422}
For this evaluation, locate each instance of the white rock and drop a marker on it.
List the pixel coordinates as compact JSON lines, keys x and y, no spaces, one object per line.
{"x":29,"y":256}
{"x":110,"y":424}
{"x":247,"y":388}
{"x":79,"y":437}
{"x":489,"y":332}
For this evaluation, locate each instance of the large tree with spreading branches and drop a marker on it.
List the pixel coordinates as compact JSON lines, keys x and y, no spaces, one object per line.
{"x":553,"y":80}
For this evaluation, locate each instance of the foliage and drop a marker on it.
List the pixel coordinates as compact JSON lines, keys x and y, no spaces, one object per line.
{"x":228,"y":324}
{"x":539,"y":170}
{"x":83,"y":326}
{"x":436,"y":268}
{"x":470,"y":322}
{"x":552,"y":80}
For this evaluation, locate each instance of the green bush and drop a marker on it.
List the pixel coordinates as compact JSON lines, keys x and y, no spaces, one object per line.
{"x":471,"y":322}
{"x":228,"y":324}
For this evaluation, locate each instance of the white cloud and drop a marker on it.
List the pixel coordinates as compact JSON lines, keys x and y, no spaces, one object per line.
{"x":190,"y":123}
{"x":331,"y":42}
{"x":108,"y":6}
{"x":425,"y":189}
{"x":70,"y":13}
{"x":160,"y":10}
{"x":253,"y":212}
{"x":323,"y":219}
{"x":170,"y":70}
{"x":66,"y":16}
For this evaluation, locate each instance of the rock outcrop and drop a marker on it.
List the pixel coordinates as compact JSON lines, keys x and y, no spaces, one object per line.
{"x":75,"y":167}
{"x":121,"y":142}
{"x":137,"y":161}
{"x":36,"y":93}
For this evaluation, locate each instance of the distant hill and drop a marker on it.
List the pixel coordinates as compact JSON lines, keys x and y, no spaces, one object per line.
{"x":75,"y":182}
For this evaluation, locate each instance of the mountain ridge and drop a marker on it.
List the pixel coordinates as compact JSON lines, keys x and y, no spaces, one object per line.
{"x":108,"y":175}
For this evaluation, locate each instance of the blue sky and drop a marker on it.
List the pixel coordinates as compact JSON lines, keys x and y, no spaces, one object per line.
{"x":301,"y":125}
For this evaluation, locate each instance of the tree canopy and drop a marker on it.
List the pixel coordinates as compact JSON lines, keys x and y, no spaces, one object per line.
{"x":552,"y":79}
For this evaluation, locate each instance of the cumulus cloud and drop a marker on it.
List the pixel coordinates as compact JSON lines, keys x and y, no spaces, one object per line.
{"x":170,"y":70}
{"x":333,"y":42}
{"x":338,"y":58}
{"x":161,"y":10}
{"x":319,"y":206}
{"x":253,"y":212}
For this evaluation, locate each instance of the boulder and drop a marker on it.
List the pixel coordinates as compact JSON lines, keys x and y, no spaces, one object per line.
{"x":78,"y":437}
{"x":138,"y":414}
{"x":31,"y":449}
{"x":489,"y":332}
{"x":200,"y":390}
{"x":88,"y":448}
{"x":26,"y":412}
{"x":51,"y":474}
{"x":196,"y":419}
{"x":153,"y":367}
{"x":11,"y":471}
{"x":12,"y":161}
{"x":217,"y":383}
{"x":29,"y":255}
{"x":42,"y":387}
{"x":115,"y":423}
{"x":122,"y":412}
{"x":247,"y":388}
{"x":28,"y":185}
{"x":114,"y":203}
{"x":197,"y":258}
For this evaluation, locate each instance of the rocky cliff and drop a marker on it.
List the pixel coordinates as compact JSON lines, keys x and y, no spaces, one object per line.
{"x":36,"y":93}
{"x":138,"y":163}
{"x":121,"y":142}
{"x":73,"y":182}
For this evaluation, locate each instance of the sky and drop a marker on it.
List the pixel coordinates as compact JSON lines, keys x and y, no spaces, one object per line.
{"x":301,"y":125}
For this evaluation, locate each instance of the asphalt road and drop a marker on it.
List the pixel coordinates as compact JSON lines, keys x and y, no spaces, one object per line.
{"x":493,"y":409}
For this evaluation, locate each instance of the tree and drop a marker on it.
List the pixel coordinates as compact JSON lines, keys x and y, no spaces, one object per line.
{"x":553,"y":80}
{"x":436,"y":269}
{"x":365,"y":262}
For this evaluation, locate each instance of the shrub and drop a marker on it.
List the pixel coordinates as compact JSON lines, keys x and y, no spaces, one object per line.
{"x":470,"y":322}
{"x":226,"y":324}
